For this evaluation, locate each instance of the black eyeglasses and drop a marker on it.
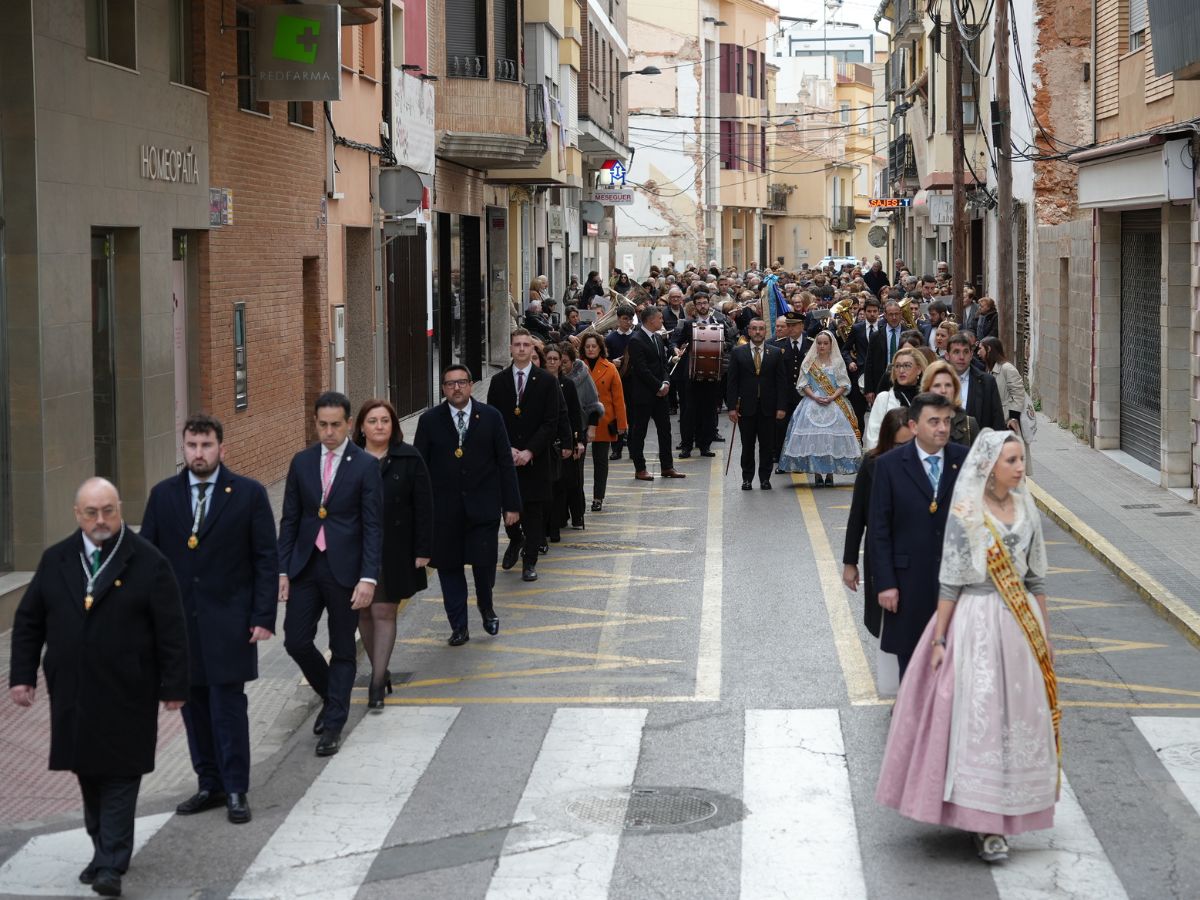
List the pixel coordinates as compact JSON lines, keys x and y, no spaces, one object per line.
{"x":456,"y":382}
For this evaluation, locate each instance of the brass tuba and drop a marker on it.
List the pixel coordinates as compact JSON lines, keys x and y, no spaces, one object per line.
{"x":608,"y":321}
{"x":842,"y":313}
{"x":908,"y":310}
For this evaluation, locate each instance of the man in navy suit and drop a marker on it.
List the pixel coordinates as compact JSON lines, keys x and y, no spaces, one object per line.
{"x":908,"y":520}
{"x":465,"y":447}
{"x":216,"y":529}
{"x":330,"y":542}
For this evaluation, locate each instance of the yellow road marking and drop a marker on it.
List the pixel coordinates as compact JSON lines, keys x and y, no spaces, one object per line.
{"x":1101,"y":645}
{"x":1063,"y":570}
{"x":559,"y":700}
{"x":523,"y":673}
{"x":1124,"y":686}
{"x":494,"y":647}
{"x":1062,"y":604}
{"x":860,"y":684}
{"x":708,"y":656}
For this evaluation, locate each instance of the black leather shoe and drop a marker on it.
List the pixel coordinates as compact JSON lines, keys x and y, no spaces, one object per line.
{"x":597,"y":505}
{"x":764,"y":485}
{"x":685,"y":454}
{"x":511,"y":554}
{"x":107,"y":883}
{"x":529,"y":573}
{"x":747,"y":486}
{"x":329,"y":744}
{"x":544,"y":549}
{"x":319,"y":722}
{"x":554,"y":539}
{"x":237,"y":809}
{"x":707,"y":453}
{"x":199,"y":802}
{"x":88,"y":875}
{"x":491,"y":624}
{"x":458,"y":638}
{"x":374,"y":696}
{"x":616,"y":454}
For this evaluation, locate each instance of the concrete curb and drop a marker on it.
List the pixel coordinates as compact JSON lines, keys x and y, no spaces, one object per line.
{"x":1157,"y":596}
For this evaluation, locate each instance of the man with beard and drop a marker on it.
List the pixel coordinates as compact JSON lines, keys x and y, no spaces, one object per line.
{"x":217,"y":530}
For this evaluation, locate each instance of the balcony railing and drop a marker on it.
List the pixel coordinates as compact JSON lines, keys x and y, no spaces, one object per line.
{"x":906,"y":12}
{"x":466,"y":66}
{"x":902,"y":165}
{"x":778,"y":198}
{"x":506,"y":70}
{"x":842,"y":218}
{"x":535,"y":113}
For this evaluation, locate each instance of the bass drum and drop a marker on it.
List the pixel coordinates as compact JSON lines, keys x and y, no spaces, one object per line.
{"x":706,"y":356}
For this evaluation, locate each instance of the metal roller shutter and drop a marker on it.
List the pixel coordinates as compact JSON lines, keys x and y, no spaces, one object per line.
{"x":1141,"y":340}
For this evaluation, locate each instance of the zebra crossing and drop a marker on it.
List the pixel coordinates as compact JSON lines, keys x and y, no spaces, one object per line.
{"x":799,"y":825}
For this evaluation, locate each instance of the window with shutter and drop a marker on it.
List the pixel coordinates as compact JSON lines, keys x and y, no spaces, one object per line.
{"x":505,"y":30}
{"x":1138,"y":23}
{"x":751,"y":73}
{"x":726,"y":69}
{"x":466,"y":38}
{"x":739,"y":62}
{"x":763,"y":158}
{"x":726,"y":144}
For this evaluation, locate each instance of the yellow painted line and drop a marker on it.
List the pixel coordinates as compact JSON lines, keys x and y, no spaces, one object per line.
{"x":1063,"y":570}
{"x":839,"y":506}
{"x":494,"y":647}
{"x":1063,"y":604}
{"x":558,"y":700}
{"x":1154,"y":592}
{"x":518,"y":673}
{"x":612,"y":548}
{"x":708,"y":656}
{"x":1133,"y":704}
{"x":860,"y":684}
{"x":647,"y":510}
{"x":1124,"y":686}
{"x":635,"y":618}
{"x":643,"y":580}
{"x":618,"y":578}
{"x":1101,"y":645}
{"x":565,"y":626}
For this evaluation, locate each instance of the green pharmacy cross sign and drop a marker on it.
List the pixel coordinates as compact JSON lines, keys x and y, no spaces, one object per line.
{"x":296,"y":39}
{"x":299,"y":52}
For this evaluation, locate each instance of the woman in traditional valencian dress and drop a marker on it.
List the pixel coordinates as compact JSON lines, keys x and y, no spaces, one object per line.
{"x":974,"y":741}
{"x":823,"y":435}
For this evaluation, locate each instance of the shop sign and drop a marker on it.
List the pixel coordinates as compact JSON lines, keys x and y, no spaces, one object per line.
{"x":614,"y":197}
{"x":412,"y":122}
{"x":613,"y":173}
{"x":167,"y":164}
{"x":298,"y":52}
{"x":891,"y":202}
{"x":220,"y":207}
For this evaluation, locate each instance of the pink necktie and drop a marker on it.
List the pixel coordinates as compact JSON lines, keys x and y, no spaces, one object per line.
{"x":520,"y":386}
{"x":326,"y":480}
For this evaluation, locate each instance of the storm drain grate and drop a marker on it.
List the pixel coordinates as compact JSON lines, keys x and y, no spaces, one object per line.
{"x":1182,"y":512}
{"x":643,"y":809}
{"x":1139,"y":506}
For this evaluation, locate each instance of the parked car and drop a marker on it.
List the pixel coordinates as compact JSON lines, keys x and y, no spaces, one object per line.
{"x":838,"y":261}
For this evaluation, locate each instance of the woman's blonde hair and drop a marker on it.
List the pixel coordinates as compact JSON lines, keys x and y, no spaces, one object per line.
{"x":913,"y":354}
{"x":933,"y":370}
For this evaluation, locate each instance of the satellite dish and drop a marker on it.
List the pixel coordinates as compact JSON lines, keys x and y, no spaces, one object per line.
{"x":877,"y":236}
{"x":400,"y":191}
{"x":591,"y":211}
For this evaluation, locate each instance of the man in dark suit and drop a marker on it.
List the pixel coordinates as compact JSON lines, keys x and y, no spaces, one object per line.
{"x":882,"y":348}
{"x":646,"y":395}
{"x":105,"y":607}
{"x":980,"y":393}
{"x":470,"y":461}
{"x":756,"y":395}
{"x":856,"y":353}
{"x":701,"y":397}
{"x":330,"y":543}
{"x":528,"y":399}
{"x":908,"y":520}
{"x":217,"y":531}
{"x":791,"y":341}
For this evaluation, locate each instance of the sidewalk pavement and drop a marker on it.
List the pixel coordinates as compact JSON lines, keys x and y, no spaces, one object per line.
{"x":1148,"y":535}
{"x":279,"y":703}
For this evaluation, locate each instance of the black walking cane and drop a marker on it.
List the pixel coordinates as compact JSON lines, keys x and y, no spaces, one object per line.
{"x":732,"y":439}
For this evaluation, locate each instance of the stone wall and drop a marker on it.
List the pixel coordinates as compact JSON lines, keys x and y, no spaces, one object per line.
{"x":1063,"y":284}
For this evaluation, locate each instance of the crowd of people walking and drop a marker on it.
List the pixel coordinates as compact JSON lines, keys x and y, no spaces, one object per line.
{"x":828,"y":374}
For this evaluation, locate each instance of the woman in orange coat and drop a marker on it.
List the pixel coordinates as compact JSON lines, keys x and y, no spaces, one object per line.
{"x":613,"y":422}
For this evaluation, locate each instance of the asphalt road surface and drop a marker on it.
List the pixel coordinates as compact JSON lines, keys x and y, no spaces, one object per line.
{"x":683,"y":706}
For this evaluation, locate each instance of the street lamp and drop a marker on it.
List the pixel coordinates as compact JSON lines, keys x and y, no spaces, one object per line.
{"x":648,"y":70}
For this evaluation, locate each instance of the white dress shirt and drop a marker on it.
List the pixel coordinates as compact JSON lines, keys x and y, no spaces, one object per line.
{"x":940,"y":456}
{"x":467,"y":417}
{"x":517,"y":386}
{"x":210,"y":480}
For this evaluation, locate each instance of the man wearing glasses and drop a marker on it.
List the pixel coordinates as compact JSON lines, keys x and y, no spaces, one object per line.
{"x":465,"y":447}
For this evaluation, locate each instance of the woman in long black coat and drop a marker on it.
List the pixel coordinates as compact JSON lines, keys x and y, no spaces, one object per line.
{"x":569,"y":483}
{"x":407,"y":536}
{"x":893,"y":432}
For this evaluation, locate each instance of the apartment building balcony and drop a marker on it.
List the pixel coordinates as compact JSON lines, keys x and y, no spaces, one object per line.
{"x":599,"y":144}
{"x":488,"y":124}
{"x":547,"y":160}
{"x":841,"y":218}
{"x":902,"y":164}
{"x":777,"y":199}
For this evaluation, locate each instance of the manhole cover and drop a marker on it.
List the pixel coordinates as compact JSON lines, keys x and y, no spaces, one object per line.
{"x":643,"y":809}
{"x":1184,"y":755}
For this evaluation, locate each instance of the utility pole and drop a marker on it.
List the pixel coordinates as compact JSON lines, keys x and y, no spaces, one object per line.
{"x":958,"y":264}
{"x":1006,"y":299}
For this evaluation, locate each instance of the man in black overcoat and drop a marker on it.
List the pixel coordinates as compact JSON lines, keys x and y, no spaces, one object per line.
{"x":470,"y":461}
{"x":908,"y":521}
{"x":646,"y":395}
{"x":980,"y":393}
{"x":217,"y":530}
{"x":105,"y":607}
{"x":529,"y":400}
{"x":756,"y":396}
{"x":792,"y":341}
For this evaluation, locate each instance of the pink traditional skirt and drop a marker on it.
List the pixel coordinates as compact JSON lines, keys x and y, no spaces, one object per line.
{"x":971,"y":745}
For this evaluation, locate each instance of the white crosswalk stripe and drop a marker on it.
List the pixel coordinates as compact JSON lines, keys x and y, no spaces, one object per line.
{"x":328,"y":841}
{"x":1065,"y":862}
{"x":49,"y":864}
{"x":799,"y":827}
{"x":586,"y":751}
{"x":1176,"y":741}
